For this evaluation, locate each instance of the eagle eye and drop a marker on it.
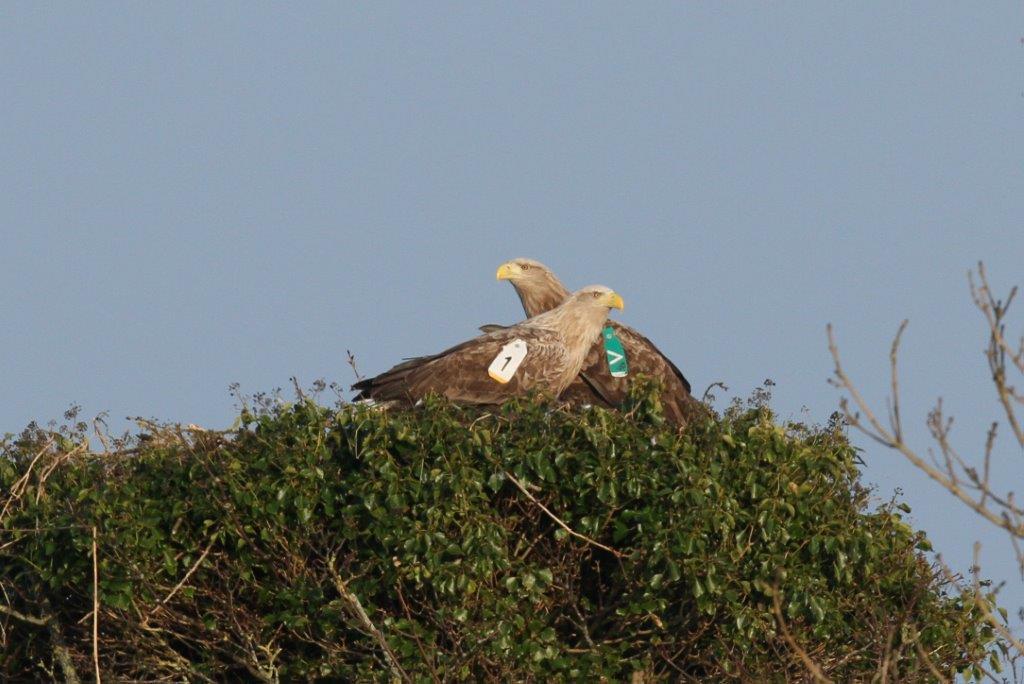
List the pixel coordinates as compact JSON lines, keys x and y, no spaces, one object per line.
{"x":525,"y":267}
{"x":596,"y":294}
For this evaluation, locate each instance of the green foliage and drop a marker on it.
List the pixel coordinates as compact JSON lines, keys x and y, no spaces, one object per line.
{"x":226,"y":556}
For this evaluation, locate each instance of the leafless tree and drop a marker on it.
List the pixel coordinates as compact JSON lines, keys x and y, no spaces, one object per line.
{"x":966,"y":477}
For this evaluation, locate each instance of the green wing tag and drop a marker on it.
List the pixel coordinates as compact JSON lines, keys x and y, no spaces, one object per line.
{"x":615,"y":353}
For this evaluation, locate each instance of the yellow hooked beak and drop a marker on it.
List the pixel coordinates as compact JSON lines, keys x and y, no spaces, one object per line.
{"x":614,"y":301}
{"x":508,"y":270}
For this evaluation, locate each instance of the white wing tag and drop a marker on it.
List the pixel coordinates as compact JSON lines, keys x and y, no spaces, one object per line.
{"x":505,"y":364}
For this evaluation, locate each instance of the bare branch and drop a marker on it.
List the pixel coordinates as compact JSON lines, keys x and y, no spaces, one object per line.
{"x":968,"y":480}
{"x":62,"y":654}
{"x":364,"y":620}
{"x":352,"y":365}
{"x":30,"y":619}
{"x":897,"y":427}
{"x":999,"y":349}
{"x":811,"y":666}
{"x":876,"y":431}
{"x":188,"y":574}
{"x":101,"y":433}
{"x":558,"y":520}
{"x":428,"y":660}
{"x":95,"y":607}
{"x":19,"y":486}
{"x":923,"y":655}
{"x":707,"y":396}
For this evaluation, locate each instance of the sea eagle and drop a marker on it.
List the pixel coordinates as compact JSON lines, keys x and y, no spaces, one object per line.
{"x":543,"y":353}
{"x":540,"y":291}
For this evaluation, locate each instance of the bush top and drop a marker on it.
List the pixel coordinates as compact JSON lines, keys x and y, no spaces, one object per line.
{"x":455,"y":543}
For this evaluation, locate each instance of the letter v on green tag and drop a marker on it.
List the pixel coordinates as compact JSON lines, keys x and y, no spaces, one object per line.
{"x":615,"y":353}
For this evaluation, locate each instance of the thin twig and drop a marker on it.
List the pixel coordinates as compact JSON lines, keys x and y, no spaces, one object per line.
{"x":367,"y":624}
{"x":53,"y":465}
{"x":881,"y":435}
{"x":990,"y":441}
{"x":95,"y":607}
{"x":429,"y":661}
{"x":62,"y":653}
{"x":558,"y":520}
{"x":994,"y":312}
{"x":30,"y":619}
{"x":19,"y":487}
{"x":897,"y":426}
{"x":983,"y":607}
{"x":939,"y":677}
{"x":583,"y":624}
{"x":188,"y":574}
{"x":352,"y":364}
{"x":96,"y":422}
{"x":811,"y":666}
{"x":707,"y":393}
{"x":882,"y":675}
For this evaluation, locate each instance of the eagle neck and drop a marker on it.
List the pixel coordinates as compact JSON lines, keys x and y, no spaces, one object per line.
{"x":540,"y":297}
{"x":579,"y":328}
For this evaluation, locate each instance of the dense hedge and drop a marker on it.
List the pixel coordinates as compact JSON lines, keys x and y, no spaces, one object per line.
{"x":353,"y":543}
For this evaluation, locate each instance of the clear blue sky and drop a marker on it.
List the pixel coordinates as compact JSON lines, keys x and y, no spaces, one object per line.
{"x":197,"y":194}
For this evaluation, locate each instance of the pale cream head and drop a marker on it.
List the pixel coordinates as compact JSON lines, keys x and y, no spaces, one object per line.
{"x":538,"y":288}
{"x":597,"y":296}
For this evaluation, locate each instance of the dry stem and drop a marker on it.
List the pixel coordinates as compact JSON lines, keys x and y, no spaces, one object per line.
{"x":558,"y":520}
{"x":95,"y":607}
{"x":364,"y":620}
{"x":971,"y":484}
{"x":811,"y":666}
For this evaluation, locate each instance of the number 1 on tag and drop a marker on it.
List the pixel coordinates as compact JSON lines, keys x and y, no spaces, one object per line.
{"x":506,"y":363}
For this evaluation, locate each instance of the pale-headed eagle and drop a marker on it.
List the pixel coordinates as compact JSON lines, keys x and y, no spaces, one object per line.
{"x":543,"y":353}
{"x":540,"y":291}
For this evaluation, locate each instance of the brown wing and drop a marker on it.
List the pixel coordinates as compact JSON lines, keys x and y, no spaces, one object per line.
{"x":460,"y":373}
{"x":596,"y":384}
{"x":583,"y":392}
{"x":651,"y":357}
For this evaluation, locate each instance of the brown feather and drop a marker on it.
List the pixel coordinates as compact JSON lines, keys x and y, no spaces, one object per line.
{"x":538,"y":288}
{"x":557,"y":344}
